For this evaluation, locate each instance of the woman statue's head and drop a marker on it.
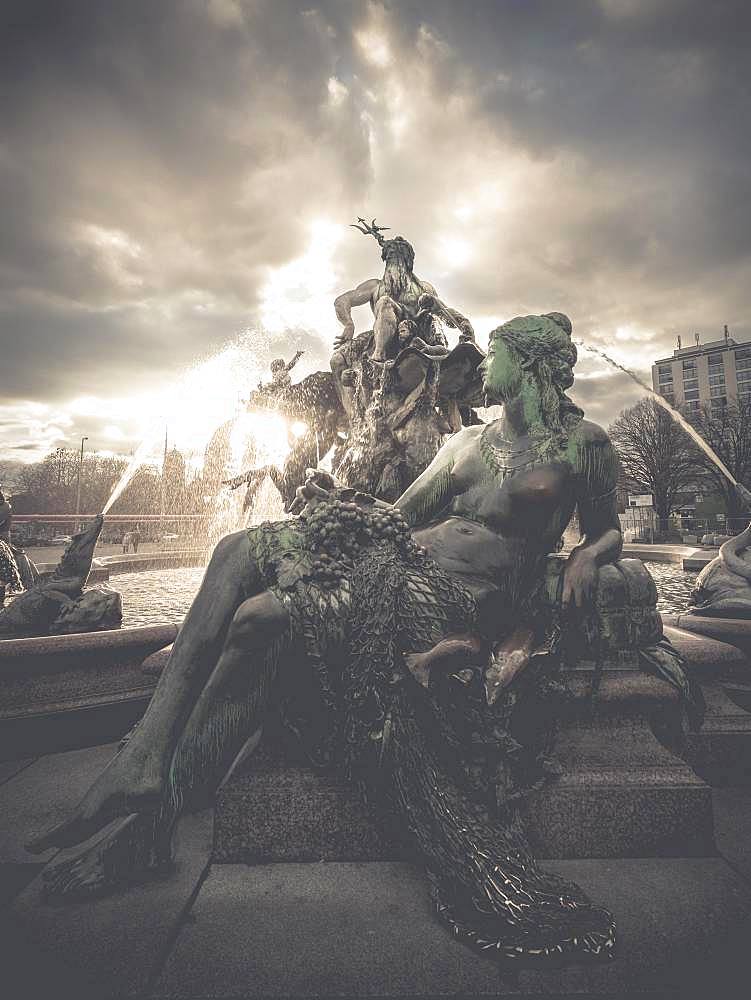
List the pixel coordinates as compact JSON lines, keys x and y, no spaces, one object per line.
{"x":534,"y":353}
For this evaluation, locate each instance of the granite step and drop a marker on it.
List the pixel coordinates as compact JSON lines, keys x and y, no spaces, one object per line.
{"x":721,"y":751}
{"x":620,"y":793}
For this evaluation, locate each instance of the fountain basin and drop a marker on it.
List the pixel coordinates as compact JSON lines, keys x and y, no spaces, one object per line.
{"x":135,"y":562}
{"x":64,"y":692}
{"x":733,"y":631}
{"x":68,"y":691}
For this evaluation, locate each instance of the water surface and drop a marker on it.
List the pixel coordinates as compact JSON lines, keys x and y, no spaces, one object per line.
{"x":158,"y":596}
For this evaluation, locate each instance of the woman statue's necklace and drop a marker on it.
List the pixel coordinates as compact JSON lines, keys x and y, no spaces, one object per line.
{"x":505,"y":460}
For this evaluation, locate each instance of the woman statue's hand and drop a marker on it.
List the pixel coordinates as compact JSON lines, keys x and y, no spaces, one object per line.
{"x":317,"y":487}
{"x":579,"y":580}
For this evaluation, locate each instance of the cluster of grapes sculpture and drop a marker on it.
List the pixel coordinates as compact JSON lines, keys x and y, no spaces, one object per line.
{"x":339,"y":531}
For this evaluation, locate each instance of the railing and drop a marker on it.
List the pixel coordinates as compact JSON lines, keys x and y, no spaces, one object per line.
{"x":41,"y":529}
{"x":642,"y":522}
{"x":139,"y":518}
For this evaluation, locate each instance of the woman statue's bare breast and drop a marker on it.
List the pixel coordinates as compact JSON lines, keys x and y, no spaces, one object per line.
{"x":498,"y":522}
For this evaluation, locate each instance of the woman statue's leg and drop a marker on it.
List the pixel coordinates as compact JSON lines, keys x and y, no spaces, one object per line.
{"x":230,"y":708}
{"x":134,"y":781}
{"x":232,"y":704}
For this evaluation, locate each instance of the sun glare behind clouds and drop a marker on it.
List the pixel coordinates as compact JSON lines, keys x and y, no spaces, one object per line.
{"x":300,"y":294}
{"x":589,"y":162}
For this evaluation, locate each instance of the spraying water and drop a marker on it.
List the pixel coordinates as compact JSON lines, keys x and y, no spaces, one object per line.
{"x":139,"y":457}
{"x":675,"y":414}
{"x":202,"y":398}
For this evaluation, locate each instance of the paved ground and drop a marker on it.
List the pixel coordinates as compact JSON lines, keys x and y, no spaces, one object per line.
{"x":344,"y":929}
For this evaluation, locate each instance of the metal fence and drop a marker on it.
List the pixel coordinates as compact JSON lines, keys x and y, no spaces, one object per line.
{"x":49,"y":529}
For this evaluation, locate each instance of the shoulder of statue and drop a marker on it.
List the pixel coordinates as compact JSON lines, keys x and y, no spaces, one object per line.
{"x":467,"y":437}
{"x":591,"y":435}
{"x":468,"y":434}
{"x":471,"y":432}
{"x":594,"y":457}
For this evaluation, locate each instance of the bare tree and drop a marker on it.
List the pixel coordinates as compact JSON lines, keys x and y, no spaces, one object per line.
{"x":727,"y":430}
{"x":49,"y":486}
{"x":657,"y":456}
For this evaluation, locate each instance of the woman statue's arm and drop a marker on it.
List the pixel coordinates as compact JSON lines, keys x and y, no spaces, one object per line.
{"x":432,"y":491}
{"x":601,"y":540}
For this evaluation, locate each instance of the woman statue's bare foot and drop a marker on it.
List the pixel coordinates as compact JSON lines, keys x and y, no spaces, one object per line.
{"x":131,"y":851}
{"x":132,"y":782}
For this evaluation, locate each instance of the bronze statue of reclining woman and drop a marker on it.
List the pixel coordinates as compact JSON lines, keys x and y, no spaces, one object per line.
{"x":394,"y":638}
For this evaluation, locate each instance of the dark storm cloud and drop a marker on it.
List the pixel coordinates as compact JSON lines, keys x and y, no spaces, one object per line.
{"x":154,"y":149}
{"x":157,"y":159}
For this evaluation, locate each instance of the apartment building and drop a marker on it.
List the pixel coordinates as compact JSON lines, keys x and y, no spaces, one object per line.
{"x":705,"y":374}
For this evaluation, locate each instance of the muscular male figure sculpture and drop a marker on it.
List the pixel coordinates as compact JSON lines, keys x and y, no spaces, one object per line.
{"x":399,"y":295}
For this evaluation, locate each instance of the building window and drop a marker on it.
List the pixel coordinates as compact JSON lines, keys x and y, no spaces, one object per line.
{"x":691,"y":395}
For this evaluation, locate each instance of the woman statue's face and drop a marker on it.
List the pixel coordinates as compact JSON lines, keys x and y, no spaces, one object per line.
{"x":502,"y":372}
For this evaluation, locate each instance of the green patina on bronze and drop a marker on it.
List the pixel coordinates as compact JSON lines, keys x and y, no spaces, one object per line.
{"x":323,"y":615}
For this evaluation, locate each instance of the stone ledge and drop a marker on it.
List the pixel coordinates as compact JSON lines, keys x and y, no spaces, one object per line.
{"x":276,"y":810}
{"x":620,"y":794}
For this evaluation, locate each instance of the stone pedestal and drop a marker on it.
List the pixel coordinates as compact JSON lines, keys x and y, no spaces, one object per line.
{"x":621,"y":793}
{"x":277,"y":809}
{"x":721,"y":751}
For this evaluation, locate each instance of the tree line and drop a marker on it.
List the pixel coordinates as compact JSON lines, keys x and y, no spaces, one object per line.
{"x":657,"y":457}
{"x":50,"y":486}
{"x":660,"y":458}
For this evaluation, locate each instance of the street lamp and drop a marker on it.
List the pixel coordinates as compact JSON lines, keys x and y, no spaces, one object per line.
{"x":78,"y":486}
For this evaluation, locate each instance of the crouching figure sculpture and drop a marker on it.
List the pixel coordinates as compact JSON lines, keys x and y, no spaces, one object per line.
{"x":401,"y":643}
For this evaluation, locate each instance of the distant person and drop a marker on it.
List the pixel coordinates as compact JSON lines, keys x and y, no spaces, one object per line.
{"x":6,"y":515}
{"x":126,"y":541}
{"x":135,"y":538}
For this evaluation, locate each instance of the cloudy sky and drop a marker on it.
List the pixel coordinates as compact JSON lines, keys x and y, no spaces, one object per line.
{"x":176,"y":180}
